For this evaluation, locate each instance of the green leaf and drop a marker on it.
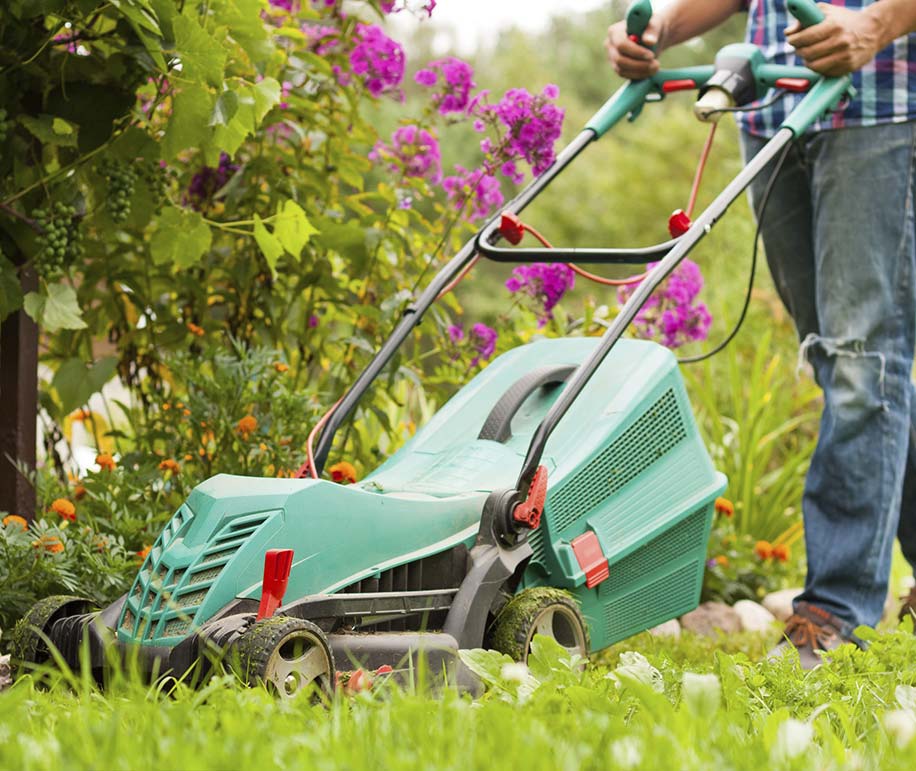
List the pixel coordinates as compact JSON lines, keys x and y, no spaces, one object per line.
{"x":10,"y":288}
{"x":56,"y":310}
{"x":181,"y":238}
{"x":75,"y":381}
{"x":292,"y":228}
{"x":189,"y":124}
{"x":266,"y":96}
{"x":254,"y":102}
{"x":50,"y":130}
{"x":227,"y":105}
{"x":268,"y":243}
{"x":203,"y":58}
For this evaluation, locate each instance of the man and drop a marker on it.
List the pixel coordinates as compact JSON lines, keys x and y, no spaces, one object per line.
{"x":840,"y":238}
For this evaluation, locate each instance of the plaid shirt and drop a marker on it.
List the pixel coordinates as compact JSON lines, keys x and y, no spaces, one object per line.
{"x":885,"y":87}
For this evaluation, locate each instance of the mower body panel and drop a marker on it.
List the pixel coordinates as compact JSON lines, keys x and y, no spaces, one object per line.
{"x":626,"y":463}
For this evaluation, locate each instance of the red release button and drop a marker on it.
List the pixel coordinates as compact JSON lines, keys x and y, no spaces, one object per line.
{"x":793,"y":84}
{"x":591,"y":559}
{"x":678,"y":85}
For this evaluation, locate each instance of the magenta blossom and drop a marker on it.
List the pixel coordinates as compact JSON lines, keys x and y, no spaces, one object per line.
{"x":414,"y":151}
{"x":544,"y":282}
{"x":377,"y":59}
{"x":209,"y":181}
{"x":454,"y":79}
{"x":484,"y":340}
{"x":396,"y":6}
{"x":286,"y":5}
{"x":533,"y":125}
{"x":477,"y":186}
{"x":455,"y":333}
{"x":672,"y":315}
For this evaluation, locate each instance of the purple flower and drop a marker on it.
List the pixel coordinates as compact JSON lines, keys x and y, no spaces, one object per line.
{"x":484,"y":340}
{"x":209,"y":181}
{"x":477,"y":186}
{"x":321,"y":38}
{"x":313,"y":321}
{"x":455,"y":87}
{"x":543,"y":282}
{"x":413,"y":150}
{"x":286,"y":5}
{"x":377,"y":59}
{"x":532,"y":124}
{"x":392,"y":6}
{"x":551,"y":91}
{"x":455,"y":333}
{"x":671,"y":314}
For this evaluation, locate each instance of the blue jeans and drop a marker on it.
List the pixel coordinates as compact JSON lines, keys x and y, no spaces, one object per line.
{"x":840,"y":239}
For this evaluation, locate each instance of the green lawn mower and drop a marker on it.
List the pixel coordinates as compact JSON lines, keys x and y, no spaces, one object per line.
{"x":564,"y":491}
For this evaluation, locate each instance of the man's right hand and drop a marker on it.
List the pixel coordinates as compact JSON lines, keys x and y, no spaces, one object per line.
{"x":630,"y":60}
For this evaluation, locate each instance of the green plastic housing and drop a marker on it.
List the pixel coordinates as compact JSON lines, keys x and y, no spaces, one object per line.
{"x":626,"y":463}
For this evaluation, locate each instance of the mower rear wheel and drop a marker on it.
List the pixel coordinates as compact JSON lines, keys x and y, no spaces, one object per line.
{"x":287,"y":655}
{"x":541,"y":610}
{"x":27,"y":640}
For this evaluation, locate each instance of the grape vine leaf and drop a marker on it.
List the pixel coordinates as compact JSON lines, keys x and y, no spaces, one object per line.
{"x":56,"y":310}
{"x":181,"y":238}
{"x":75,"y":381}
{"x":50,"y":130}
{"x":202,"y":57}
{"x":292,"y":228}
{"x":269,"y":244}
{"x":10,"y":290}
{"x":188,"y":127}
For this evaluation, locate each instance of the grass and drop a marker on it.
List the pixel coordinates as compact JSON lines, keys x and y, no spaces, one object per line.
{"x":624,"y":711}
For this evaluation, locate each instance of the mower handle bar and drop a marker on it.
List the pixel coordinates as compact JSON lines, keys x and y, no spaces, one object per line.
{"x":823,"y":96}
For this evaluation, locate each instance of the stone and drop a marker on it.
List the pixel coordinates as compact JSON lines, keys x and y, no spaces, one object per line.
{"x":753,"y":616}
{"x":780,"y":603}
{"x":669,"y":629}
{"x":711,"y":619}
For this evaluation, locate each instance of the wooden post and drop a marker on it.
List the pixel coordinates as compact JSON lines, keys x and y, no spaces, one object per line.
{"x":18,"y":405}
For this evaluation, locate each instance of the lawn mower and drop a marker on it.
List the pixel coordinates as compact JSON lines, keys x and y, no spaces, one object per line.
{"x":564,"y":491}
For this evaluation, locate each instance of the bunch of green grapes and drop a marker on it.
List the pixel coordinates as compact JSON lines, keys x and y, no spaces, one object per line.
{"x":121,"y":178}
{"x":59,"y":239}
{"x":156,"y":179}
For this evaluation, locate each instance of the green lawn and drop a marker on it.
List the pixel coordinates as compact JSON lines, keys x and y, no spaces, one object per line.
{"x":624,"y":711}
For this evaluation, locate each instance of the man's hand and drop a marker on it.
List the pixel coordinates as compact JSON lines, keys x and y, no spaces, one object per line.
{"x":632,"y":60}
{"x":842,"y":43}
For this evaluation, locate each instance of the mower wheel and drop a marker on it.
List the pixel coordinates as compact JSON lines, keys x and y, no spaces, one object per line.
{"x":285,"y":654}
{"x":28,"y":644}
{"x":541,"y":610}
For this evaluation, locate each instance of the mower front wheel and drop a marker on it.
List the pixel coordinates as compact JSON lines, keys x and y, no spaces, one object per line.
{"x":541,"y":610}
{"x":28,"y":640}
{"x":285,"y":654}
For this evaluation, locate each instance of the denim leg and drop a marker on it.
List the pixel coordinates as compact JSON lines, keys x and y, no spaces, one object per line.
{"x":906,"y":530}
{"x":860,"y":346}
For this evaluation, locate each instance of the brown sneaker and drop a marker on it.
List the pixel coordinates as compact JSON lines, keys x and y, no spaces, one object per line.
{"x":810,"y":631}
{"x":909,"y":607}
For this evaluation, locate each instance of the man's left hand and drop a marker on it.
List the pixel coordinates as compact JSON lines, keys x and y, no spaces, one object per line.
{"x":842,"y":43}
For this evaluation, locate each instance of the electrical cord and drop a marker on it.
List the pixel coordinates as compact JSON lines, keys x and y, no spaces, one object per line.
{"x":751,"y":107}
{"x":771,"y":182}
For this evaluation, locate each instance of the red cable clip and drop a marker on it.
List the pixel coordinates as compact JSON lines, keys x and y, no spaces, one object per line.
{"x":511,"y":228}
{"x":684,"y":84}
{"x":678,"y":223}
{"x":529,"y":511}
{"x":798,"y":85}
{"x":277,"y":566}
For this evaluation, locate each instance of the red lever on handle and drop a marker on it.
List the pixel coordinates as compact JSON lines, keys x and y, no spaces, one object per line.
{"x":277,"y":565}
{"x":528,"y":512}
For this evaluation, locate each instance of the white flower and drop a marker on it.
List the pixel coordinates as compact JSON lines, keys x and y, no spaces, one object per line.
{"x":793,"y":737}
{"x":515,"y":671}
{"x":635,"y":666}
{"x":900,"y":724}
{"x":906,"y":696}
{"x":701,"y":693}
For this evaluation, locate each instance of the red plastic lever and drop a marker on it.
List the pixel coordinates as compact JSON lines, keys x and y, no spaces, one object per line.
{"x":590,"y":558}
{"x":678,"y":223}
{"x":529,"y":511}
{"x":511,"y":228}
{"x":685,"y":84}
{"x":277,"y":565}
{"x":793,"y":84}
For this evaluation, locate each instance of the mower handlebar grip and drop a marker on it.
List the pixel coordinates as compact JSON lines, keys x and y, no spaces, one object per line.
{"x":806,"y":11}
{"x":638,"y":15}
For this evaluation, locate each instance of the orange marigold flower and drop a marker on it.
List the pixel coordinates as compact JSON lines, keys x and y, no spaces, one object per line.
{"x":188,"y":456}
{"x":186,"y":412}
{"x":169,"y":465}
{"x":722,"y":560}
{"x":15,"y":519}
{"x":782,"y":552}
{"x":50,"y":543}
{"x":78,"y":416}
{"x":105,"y":461}
{"x":195,"y":330}
{"x":144,"y":551}
{"x":725,"y":507}
{"x":281,"y":366}
{"x":343,"y":472}
{"x":64,"y":508}
{"x":246,"y":425}
{"x":79,"y":492}
{"x":100,"y":543}
{"x":763,"y":549}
